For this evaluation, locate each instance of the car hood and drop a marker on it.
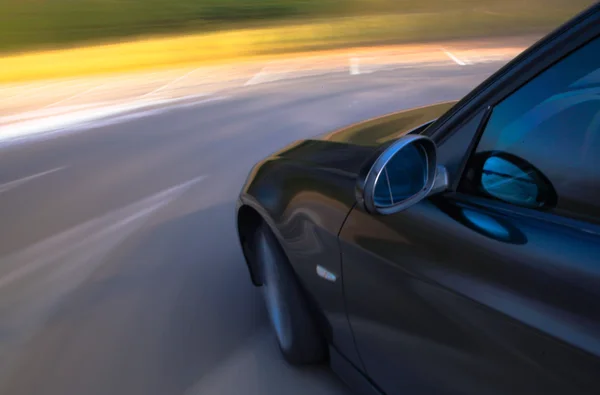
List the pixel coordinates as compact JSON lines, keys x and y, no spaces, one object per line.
{"x":378,"y":131}
{"x":346,"y":149}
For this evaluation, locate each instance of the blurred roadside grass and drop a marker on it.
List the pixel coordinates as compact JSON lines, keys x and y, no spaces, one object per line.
{"x":248,"y":43}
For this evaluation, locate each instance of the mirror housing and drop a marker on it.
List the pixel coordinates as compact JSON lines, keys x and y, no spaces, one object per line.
{"x":402,"y":175}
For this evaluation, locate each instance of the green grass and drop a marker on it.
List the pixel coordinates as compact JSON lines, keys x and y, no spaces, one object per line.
{"x":135,"y":37}
{"x":233,"y":45}
{"x":39,"y":24}
{"x":34,"y":23}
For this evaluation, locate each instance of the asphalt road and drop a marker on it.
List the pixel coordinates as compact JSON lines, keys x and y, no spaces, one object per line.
{"x":120,"y":271}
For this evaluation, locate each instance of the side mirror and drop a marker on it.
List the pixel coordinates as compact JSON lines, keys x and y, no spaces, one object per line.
{"x":513,"y":180}
{"x":405,"y":173}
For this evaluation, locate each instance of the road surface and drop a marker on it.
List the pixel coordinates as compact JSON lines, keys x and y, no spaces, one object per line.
{"x":120,"y":271}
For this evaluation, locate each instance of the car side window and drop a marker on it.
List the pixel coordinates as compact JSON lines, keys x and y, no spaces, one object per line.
{"x":541,"y":145}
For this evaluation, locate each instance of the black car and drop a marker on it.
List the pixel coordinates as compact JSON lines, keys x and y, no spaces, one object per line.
{"x":450,"y":249}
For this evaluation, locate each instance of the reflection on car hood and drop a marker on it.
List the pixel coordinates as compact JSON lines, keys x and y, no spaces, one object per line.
{"x":346,"y":149}
{"x":377,"y":131}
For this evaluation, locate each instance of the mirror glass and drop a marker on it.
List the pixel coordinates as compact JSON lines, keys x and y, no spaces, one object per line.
{"x":506,"y":181}
{"x":404,"y":175}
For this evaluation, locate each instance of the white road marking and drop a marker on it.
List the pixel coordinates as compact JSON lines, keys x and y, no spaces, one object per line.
{"x":255,"y":79}
{"x":118,"y":119}
{"x":28,"y":129}
{"x":84,"y":236}
{"x":354,"y":66}
{"x":28,"y":92}
{"x":32,"y":129}
{"x":169,"y":84}
{"x":197,"y":103}
{"x":454,"y":58}
{"x":34,"y":281}
{"x":13,"y":184}
{"x":146,"y":113}
{"x":46,"y":112}
{"x":93,"y":88}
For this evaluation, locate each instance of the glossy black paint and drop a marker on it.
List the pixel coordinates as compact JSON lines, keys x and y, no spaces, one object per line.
{"x":381,"y":131}
{"x":456,"y":294}
{"x":305,"y":192}
{"x":453,"y":297}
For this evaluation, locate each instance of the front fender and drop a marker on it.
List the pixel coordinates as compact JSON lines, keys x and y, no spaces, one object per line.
{"x":306,"y":205}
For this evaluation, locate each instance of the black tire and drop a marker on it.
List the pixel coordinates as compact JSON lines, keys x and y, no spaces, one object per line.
{"x":296,"y":331}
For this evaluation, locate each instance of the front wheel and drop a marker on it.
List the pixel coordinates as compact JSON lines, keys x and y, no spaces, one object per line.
{"x":297,"y":334}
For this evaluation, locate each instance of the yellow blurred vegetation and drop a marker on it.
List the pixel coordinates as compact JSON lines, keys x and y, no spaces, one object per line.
{"x":285,"y":38}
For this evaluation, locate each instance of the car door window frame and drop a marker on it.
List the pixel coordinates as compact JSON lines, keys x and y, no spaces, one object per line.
{"x":500,"y":206}
{"x":524,"y":67}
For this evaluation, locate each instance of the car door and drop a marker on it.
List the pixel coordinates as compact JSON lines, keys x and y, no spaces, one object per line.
{"x":494,"y":286}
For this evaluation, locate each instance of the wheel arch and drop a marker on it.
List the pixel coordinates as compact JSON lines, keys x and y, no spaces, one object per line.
{"x":248,"y":220}
{"x":250,"y":215}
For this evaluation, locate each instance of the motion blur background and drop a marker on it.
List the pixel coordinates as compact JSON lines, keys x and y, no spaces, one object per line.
{"x":221,"y":30}
{"x":31,"y":24}
{"x":127,"y":129}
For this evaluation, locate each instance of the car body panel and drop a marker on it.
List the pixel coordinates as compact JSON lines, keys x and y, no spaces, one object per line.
{"x":450,"y":296}
{"x":382,"y":130}
{"x":306,"y":190}
{"x":456,"y":295}
{"x":306,"y":205}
